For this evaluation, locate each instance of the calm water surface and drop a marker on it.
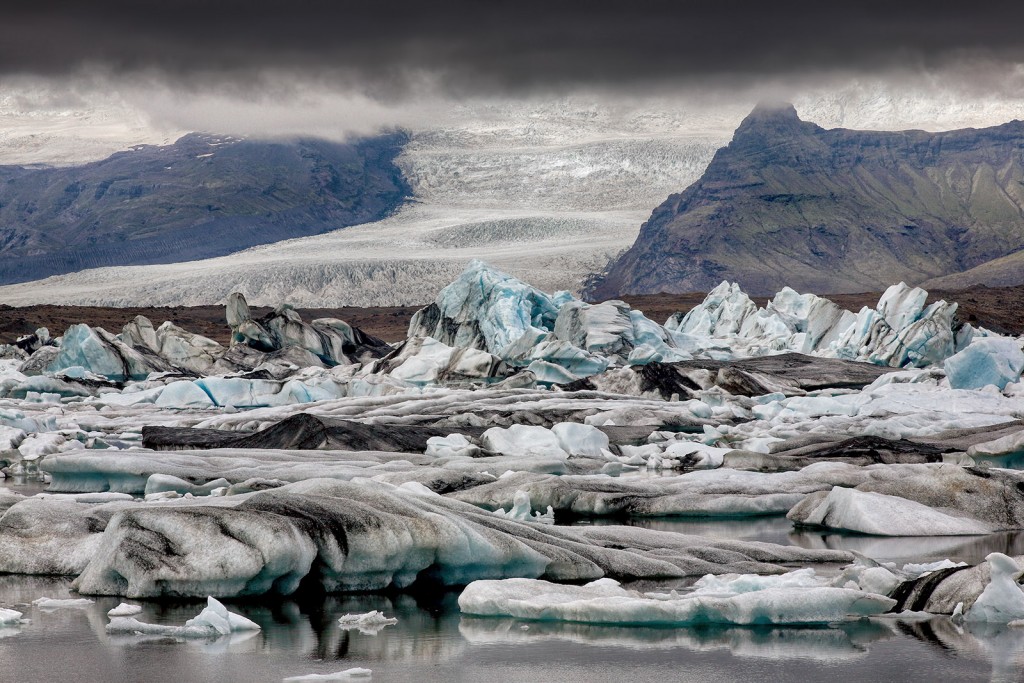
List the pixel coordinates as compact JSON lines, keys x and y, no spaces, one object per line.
{"x":433,"y":642}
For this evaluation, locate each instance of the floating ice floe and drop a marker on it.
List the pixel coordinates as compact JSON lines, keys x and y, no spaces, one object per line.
{"x":353,"y":674}
{"x":867,"y":512}
{"x":9,"y":617}
{"x":974,"y":499}
{"x":369,"y":623}
{"x":125,"y":610}
{"x":50,"y":604}
{"x":771,"y":600}
{"x":215,"y":620}
{"x":343,"y":536}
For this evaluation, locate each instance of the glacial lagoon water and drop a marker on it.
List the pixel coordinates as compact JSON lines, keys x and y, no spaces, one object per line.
{"x":434,"y":642}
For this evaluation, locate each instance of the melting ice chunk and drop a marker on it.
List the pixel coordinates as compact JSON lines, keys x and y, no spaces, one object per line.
{"x":370,"y":623}
{"x":1002,"y":601}
{"x":522,"y":510}
{"x":125,"y":610}
{"x":347,"y":675}
{"x":58,"y":603}
{"x":215,"y":620}
{"x":9,"y":616}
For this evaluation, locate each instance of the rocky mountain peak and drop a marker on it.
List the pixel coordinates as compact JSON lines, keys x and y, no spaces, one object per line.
{"x":788,"y":203}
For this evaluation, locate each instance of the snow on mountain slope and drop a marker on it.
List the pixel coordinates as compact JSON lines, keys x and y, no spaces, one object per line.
{"x":546,"y":192}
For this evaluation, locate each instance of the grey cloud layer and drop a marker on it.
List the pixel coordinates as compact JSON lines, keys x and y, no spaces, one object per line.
{"x":483,"y":45}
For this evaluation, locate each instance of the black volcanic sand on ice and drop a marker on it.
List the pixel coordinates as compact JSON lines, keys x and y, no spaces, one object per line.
{"x":1000,"y":309}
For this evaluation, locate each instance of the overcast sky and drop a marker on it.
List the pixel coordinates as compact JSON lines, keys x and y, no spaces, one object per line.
{"x":486,"y":46}
{"x":298,"y":65}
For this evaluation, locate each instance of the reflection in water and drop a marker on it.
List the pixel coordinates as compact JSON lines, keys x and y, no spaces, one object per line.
{"x":969,"y":549}
{"x":310,"y":628}
{"x":432,"y":642}
{"x":25,"y":484}
{"x":844,"y":641}
{"x":1001,"y":645}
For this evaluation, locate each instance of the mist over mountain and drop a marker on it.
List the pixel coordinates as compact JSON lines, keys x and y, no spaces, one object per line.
{"x":200,"y":197}
{"x":548,"y":192}
{"x":788,"y":203}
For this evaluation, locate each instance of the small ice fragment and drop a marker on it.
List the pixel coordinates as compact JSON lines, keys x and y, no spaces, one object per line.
{"x":347,"y":675}
{"x":9,"y":616}
{"x":369,"y":623}
{"x":58,"y":603}
{"x":125,"y":610}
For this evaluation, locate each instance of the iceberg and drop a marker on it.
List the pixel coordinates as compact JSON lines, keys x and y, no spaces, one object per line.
{"x":353,"y":674}
{"x":991,"y":360}
{"x":100,"y":352}
{"x":1002,"y":601}
{"x":181,"y":348}
{"x":879,"y":514}
{"x":424,"y":360}
{"x":523,"y":440}
{"x":488,"y":310}
{"x":333,"y":341}
{"x":900,"y":332}
{"x":559,"y":338}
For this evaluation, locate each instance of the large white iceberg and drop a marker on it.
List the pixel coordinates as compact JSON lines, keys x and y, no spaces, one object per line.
{"x":774,"y":600}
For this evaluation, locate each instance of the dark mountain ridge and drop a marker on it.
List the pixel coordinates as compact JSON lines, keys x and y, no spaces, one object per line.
{"x":788,"y":203}
{"x":200,"y":197}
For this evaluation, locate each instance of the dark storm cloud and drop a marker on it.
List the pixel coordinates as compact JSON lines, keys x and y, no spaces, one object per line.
{"x":486,"y":45}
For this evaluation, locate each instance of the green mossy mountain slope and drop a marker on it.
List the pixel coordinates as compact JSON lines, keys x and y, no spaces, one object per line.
{"x":788,"y":203}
